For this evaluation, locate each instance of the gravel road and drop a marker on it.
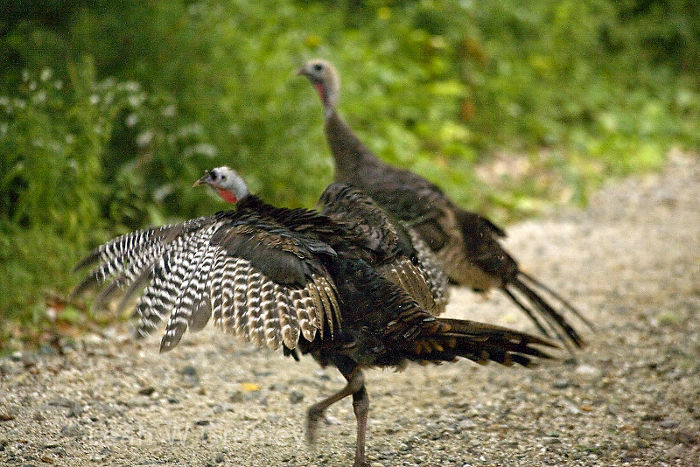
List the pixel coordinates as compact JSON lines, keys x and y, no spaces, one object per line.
{"x":631,"y":261}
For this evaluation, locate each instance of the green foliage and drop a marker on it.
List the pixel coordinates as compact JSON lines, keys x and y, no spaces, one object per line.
{"x":111,"y":109}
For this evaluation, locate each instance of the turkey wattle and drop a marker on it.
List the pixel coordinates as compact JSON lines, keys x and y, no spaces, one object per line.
{"x":466,"y":244}
{"x":290,"y":278}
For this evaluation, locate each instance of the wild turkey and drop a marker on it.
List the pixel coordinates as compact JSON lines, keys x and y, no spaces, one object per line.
{"x":466,"y":244}
{"x":399,"y":254}
{"x":295,"y":279}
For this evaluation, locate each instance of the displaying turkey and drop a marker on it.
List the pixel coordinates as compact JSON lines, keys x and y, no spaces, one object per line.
{"x":295,"y":279}
{"x":399,"y":254}
{"x":466,"y":244}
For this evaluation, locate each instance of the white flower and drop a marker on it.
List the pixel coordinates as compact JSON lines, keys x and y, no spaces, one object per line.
{"x":144,"y":139}
{"x":46,"y":74}
{"x":132,"y":119}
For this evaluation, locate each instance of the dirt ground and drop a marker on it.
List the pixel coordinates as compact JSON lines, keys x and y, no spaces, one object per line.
{"x":631,"y":262}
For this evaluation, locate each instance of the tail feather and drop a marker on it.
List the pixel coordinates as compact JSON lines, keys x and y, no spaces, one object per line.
{"x":557,"y":322}
{"x":447,"y":339}
{"x":535,"y":282}
{"x":530,"y":313}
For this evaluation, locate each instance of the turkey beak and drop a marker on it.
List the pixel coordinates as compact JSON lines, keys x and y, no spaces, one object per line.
{"x":204,"y":180}
{"x":301,"y":71}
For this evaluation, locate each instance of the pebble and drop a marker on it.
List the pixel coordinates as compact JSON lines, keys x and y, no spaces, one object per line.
{"x":447,"y":392}
{"x":467,"y":424}
{"x":562,"y":383}
{"x":72,"y":431}
{"x":669,"y":423}
{"x":645,"y":432}
{"x":75,"y":410}
{"x":46,"y":349}
{"x":295,"y":397}
{"x":147,"y":391}
{"x":331,"y":420}
{"x":6,"y":369}
{"x":190,"y":374}
{"x":202,"y":422}
{"x":675,"y":452}
{"x":587,"y":372}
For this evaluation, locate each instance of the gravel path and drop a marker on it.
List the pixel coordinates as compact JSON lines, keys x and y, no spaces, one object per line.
{"x":631,"y":262}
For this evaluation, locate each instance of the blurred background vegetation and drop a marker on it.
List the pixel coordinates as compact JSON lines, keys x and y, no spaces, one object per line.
{"x":109,"y":110}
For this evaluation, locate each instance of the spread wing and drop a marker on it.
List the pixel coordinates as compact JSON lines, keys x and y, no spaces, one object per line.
{"x":255,"y":277}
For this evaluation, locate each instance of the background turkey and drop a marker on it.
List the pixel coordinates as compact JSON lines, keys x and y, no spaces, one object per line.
{"x":289,"y":278}
{"x":466,"y":244}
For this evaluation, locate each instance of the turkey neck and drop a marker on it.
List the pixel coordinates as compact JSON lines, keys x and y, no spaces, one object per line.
{"x":352,"y":158}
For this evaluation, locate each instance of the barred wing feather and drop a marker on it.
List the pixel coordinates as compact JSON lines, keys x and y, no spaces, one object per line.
{"x":255,"y":278}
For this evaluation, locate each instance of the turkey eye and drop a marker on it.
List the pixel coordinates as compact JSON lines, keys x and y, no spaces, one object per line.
{"x":318,"y":67}
{"x":223,"y":177}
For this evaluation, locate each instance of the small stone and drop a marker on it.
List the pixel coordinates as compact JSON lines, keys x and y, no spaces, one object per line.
{"x":73,"y":431}
{"x":587,"y":372}
{"x":6,"y":417}
{"x":447,"y":392}
{"x":189,"y":370}
{"x":202,"y":422}
{"x":39,"y":417}
{"x":295,"y":397}
{"x":675,"y":452}
{"x":669,"y":423}
{"x":62,"y":402}
{"x":46,"y":349}
{"x":645,"y":432}
{"x":219,"y":458}
{"x":331,"y":420}
{"x":467,"y":425}
{"x":562,"y":383}
{"x":147,"y":391}
{"x":5,"y":369}
{"x":75,"y":410}
{"x":571,"y":409}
